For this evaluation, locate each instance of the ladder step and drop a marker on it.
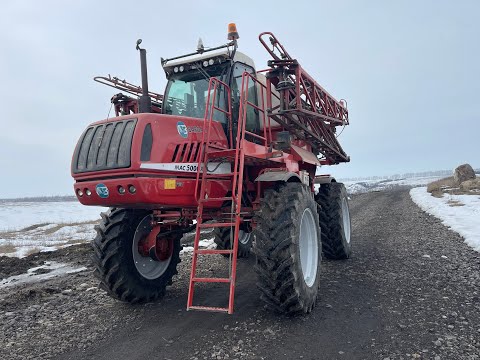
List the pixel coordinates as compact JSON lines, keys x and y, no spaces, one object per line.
{"x":213,"y":225}
{"x":213,"y":251}
{"x":211,"y":280}
{"x":208,"y":308}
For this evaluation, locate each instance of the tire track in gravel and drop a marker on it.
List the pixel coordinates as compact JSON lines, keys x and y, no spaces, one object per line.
{"x":410,"y":290}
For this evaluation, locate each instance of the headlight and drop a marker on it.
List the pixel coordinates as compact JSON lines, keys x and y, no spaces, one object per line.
{"x":211,"y":62}
{"x":205,"y":63}
{"x":175,"y":69}
{"x":182,"y":68}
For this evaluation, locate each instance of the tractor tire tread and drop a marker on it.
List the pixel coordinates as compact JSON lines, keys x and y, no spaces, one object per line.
{"x":110,"y":247}
{"x":279,"y":275}
{"x":329,"y":199}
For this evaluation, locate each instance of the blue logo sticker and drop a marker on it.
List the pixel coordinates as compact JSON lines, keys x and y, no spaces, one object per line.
{"x":102,"y":191}
{"x":182,"y":129}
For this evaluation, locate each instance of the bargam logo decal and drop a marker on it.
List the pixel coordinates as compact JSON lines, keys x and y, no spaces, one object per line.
{"x":102,"y":191}
{"x":182,"y":129}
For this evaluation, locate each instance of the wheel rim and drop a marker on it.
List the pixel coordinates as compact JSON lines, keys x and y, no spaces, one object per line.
{"x":244,"y":237}
{"x":308,"y":243}
{"x":147,"y":267}
{"x":346,"y":219}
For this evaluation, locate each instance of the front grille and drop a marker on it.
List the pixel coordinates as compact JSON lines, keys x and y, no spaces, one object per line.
{"x":105,"y":146}
{"x":187,"y":152}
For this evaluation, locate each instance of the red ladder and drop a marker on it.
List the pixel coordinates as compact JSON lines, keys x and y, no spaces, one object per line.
{"x":211,"y":152}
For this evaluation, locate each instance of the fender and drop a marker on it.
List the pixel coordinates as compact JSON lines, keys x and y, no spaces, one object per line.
{"x":285,"y":176}
{"x":324,"y":179}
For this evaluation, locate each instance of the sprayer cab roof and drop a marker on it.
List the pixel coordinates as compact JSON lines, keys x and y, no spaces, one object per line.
{"x":203,"y":58}
{"x":192,"y":62}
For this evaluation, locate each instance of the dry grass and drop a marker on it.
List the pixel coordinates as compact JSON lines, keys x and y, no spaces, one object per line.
{"x":7,"y":235}
{"x":7,"y":249}
{"x":59,"y":226}
{"x":12,"y":234}
{"x":455,"y":203}
{"x":448,"y":186}
{"x":33,"y":227}
{"x":33,"y":251}
{"x":436,"y":188}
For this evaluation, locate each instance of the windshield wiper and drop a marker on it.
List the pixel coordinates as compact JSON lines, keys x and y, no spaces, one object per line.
{"x":203,"y":72}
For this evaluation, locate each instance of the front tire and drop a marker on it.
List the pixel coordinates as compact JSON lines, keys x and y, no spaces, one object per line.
{"x":288,"y":249}
{"x":334,"y":220}
{"x":123,"y":273}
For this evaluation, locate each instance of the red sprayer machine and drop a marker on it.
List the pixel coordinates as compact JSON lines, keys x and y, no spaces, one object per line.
{"x":228,"y":148}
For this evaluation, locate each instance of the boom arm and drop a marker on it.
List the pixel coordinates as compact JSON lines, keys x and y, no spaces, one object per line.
{"x":125,"y":104}
{"x":306,"y":109}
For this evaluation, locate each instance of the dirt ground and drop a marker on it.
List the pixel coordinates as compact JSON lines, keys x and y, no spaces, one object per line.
{"x":410,"y":291}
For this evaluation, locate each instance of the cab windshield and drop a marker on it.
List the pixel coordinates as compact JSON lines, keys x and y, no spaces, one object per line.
{"x":187,"y":92}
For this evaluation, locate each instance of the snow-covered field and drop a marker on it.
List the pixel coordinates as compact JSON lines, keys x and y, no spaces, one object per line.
{"x":27,"y":227}
{"x":363,"y":186}
{"x":19,"y":215}
{"x":459,"y":212}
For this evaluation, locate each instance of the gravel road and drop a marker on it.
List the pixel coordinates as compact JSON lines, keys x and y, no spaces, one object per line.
{"x":410,"y":291}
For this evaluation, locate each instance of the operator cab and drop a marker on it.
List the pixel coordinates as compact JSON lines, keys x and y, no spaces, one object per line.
{"x":188,"y":85}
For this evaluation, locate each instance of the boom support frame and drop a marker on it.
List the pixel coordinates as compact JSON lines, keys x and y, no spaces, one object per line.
{"x":306,"y":109}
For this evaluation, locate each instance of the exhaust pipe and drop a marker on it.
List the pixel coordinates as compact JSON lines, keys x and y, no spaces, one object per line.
{"x":144,"y":101}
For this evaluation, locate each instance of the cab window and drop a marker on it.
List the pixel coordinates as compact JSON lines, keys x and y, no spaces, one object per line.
{"x":253,"y":123}
{"x":187,"y":93}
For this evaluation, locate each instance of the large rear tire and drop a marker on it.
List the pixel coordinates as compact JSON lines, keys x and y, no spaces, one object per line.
{"x":288,"y":249}
{"x":223,"y":241}
{"x":334,"y":218}
{"x":123,"y":272}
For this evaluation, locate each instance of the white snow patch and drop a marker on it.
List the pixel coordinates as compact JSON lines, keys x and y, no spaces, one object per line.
{"x":66,"y":223}
{"x":203,"y":244}
{"x":45,"y":238}
{"x":186,"y":249}
{"x":464,"y":220}
{"x":55,"y":269}
{"x":363,"y":186}
{"x":207,"y":244}
{"x":19,"y":215}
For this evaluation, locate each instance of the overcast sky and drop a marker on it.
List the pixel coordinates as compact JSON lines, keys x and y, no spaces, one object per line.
{"x":410,"y":71}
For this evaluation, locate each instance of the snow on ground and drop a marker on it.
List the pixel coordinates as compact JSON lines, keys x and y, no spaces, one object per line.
{"x":363,"y":186}
{"x":44,"y":238}
{"x":463,"y":219}
{"x":203,"y":244}
{"x":27,"y":227}
{"x":46,"y":271}
{"x":19,"y":215}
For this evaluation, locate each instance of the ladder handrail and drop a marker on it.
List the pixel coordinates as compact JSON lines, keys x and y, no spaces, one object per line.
{"x":261,"y":108}
{"x":210,"y":108}
{"x":237,"y":184}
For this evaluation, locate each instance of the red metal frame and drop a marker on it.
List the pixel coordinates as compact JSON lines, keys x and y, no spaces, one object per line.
{"x":306,"y":109}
